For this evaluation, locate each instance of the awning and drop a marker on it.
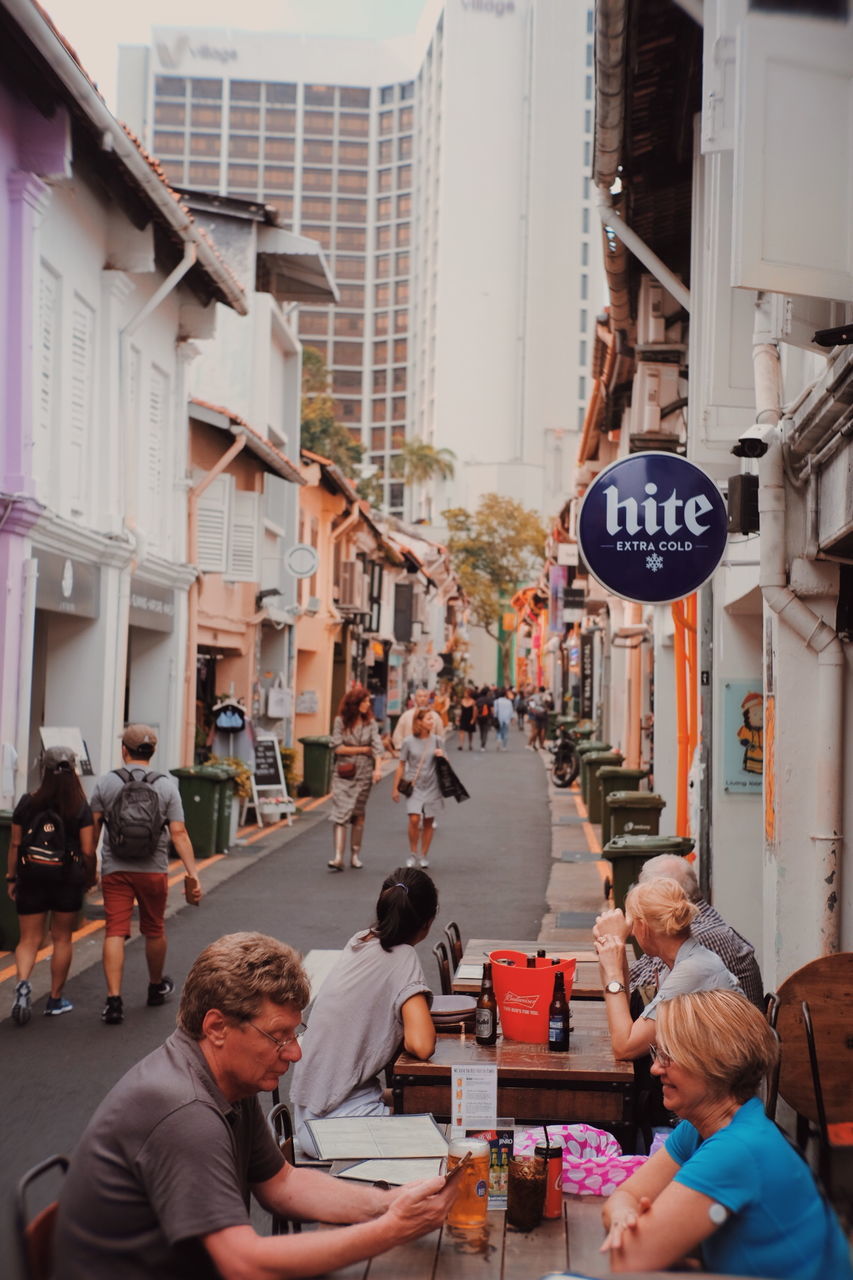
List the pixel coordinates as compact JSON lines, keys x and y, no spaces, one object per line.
{"x":292,"y":268}
{"x":273,"y":459}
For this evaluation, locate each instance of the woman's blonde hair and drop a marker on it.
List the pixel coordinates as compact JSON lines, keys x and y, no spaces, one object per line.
{"x":661,"y":904}
{"x":720,"y":1037}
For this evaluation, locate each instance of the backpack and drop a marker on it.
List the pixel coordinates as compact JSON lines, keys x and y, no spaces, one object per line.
{"x":485,"y":710}
{"x":134,"y":820}
{"x":43,"y":849}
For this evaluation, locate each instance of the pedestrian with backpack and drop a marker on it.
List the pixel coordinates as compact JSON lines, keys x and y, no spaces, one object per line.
{"x":141,"y":815}
{"x":51,"y":865}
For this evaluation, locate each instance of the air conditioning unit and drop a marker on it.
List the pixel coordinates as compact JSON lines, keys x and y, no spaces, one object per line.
{"x":312,"y":605}
{"x":651,"y":323}
{"x":352,"y":586}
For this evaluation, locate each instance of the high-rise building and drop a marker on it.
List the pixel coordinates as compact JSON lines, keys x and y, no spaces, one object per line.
{"x":446,"y":176}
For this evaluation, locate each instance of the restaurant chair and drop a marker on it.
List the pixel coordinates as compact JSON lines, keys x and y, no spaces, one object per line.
{"x":454,"y":942}
{"x":281,"y":1124}
{"x":440,"y":953}
{"x":771,"y":1084}
{"x":771,"y":1008}
{"x":832,"y":1136}
{"x":35,"y":1233}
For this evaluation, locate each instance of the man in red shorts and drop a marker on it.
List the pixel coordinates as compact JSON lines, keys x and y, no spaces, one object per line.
{"x":141,"y":879}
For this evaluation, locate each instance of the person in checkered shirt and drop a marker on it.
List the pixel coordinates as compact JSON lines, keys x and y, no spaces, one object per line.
{"x":709,"y":928}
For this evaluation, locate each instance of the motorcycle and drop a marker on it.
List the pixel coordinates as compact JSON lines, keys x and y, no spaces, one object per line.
{"x":567,"y":764}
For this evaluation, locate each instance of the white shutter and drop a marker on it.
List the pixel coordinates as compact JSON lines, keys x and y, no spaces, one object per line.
{"x":81,"y":401}
{"x":46,"y":365}
{"x":243,"y":545}
{"x":793,"y":203}
{"x":154,"y":443}
{"x":212,"y":525}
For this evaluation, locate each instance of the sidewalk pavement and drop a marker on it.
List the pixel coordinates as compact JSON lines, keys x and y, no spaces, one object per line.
{"x":575,"y":892}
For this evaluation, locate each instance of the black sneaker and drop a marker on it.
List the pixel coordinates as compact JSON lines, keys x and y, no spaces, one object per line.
{"x":113,"y":1010}
{"x":159,"y":992}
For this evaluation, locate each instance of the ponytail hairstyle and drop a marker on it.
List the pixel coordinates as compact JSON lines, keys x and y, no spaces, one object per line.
{"x":408,"y":901}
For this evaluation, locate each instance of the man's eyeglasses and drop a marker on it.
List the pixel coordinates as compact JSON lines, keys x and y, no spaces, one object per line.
{"x":658,"y":1056}
{"x":284,"y":1043}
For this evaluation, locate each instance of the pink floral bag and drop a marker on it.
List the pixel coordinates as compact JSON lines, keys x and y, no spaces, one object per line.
{"x":593,"y":1163}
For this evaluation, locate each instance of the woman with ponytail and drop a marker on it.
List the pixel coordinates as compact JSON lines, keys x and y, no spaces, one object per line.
{"x":374,"y":1001}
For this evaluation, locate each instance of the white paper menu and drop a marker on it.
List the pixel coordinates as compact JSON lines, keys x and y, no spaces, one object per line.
{"x":473,"y":1098}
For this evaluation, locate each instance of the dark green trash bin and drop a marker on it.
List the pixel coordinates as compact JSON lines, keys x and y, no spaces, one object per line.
{"x":203,"y":794}
{"x":635,"y":813}
{"x":628,"y":853}
{"x":226,"y":826}
{"x":584,"y":730}
{"x":317,"y":764}
{"x":591,"y":762}
{"x":9,"y":931}
{"x":611,"y":778}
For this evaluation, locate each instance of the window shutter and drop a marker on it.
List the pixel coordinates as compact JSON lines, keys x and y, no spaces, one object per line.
{"x":46,"y":358}
{"x":793,"y":204}
{"x":212,"y":525}
{"x":154,"y":444}
{"x":82,"y":380}
{"x":243,"y":546}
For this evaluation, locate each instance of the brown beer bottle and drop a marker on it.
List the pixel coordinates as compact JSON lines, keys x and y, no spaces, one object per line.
{"x":558,"y":1016}
{"x":486,"y":1015}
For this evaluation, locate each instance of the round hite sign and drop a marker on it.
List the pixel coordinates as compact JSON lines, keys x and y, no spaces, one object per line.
{"x":652,"y":527}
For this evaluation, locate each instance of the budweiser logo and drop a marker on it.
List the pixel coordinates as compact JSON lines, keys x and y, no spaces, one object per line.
{"x":526,"y":1002}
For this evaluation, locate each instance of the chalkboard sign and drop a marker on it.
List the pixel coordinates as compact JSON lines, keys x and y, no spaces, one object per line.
{"x":269,"y":789}
{"x":268,"y":770}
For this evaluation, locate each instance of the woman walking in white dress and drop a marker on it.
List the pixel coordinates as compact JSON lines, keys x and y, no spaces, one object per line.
{"x":417,"y":765}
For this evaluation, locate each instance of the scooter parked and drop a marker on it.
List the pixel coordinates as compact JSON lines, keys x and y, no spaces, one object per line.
{"x":566,"y":759}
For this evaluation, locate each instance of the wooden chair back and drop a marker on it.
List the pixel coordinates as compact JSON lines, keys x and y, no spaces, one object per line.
{"x":454,"y":942}
{"x":826,"y":985}
{"x":35,"y":1233}
{"x":440,"y":953}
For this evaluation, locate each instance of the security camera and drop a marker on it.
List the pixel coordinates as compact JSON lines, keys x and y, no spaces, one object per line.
{"x":753,"y":442}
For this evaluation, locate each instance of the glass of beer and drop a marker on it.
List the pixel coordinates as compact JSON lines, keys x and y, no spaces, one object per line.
{"x":472,"y":1203}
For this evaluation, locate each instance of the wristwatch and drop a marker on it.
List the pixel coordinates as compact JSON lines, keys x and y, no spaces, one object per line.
{"x":615,"y":987}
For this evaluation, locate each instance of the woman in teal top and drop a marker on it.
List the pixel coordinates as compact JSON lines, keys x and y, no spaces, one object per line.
{"x":728,"y":1184}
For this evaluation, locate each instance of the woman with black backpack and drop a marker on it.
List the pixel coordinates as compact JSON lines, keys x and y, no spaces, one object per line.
{"x":51,"y":865}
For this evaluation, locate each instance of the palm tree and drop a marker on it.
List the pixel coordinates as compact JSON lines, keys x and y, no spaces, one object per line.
{"x":423,"y":462}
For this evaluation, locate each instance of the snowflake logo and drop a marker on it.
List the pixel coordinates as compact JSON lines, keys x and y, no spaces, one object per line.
{"x":654,"y":562}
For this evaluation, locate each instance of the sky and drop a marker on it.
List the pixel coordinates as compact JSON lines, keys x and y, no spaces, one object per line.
{"x":96,"y":28}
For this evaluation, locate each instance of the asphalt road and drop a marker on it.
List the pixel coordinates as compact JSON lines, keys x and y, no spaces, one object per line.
{"x":490,"y":861}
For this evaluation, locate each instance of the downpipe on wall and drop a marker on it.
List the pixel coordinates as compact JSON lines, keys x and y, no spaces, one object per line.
{"x":817,"y":635}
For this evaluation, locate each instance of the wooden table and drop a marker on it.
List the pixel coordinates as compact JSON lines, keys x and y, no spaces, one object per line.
{"x":570,"y":1243}
{"x":585,"y":1085}
{"x":469,"y":974}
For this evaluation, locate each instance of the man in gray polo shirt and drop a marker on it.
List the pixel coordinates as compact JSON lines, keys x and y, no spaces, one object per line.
{"x":141,"y":880}
{"x":160,"y":1182}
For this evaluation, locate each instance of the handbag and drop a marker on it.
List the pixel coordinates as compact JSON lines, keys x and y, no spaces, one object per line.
{"x":346,"y":769}
{"x":278,"y":699}
{"x":406,"y":785}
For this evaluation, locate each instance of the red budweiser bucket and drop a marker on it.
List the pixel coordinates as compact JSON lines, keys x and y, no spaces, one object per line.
{"x":524,"y":994}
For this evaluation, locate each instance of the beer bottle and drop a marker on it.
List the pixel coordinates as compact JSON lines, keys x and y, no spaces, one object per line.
{"x":540,"y":955}
{"x":558,"y":1016}
{"x":531,"y":962}
{"x":486,"y":1015}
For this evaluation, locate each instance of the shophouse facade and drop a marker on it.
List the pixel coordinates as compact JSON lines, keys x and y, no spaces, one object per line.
{"x":106,"y":283}
{"x":722,"y":159}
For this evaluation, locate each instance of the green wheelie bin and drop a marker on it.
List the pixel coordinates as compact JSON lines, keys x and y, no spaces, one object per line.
{"x":226,"y":827}
{"x":635,"y":813}
{"x":591,"y":762}
{"x":317,"y":764}
{"x":612,"y":778}
{"x":627,"y":855}
{"x":588,"y":748}
{"x":203,"y":795}
{"x":9,"y":931}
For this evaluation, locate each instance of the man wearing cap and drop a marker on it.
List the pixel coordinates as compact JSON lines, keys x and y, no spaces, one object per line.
{"x":143,"y":880}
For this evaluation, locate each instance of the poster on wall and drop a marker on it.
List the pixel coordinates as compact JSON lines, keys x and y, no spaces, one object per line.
{"x":68,"y":737}
{"x":743,"y":735}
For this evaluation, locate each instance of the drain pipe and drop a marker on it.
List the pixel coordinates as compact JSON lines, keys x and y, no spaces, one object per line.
{"x":817,"y":635}
{"x":636,"y":245}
